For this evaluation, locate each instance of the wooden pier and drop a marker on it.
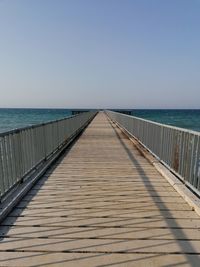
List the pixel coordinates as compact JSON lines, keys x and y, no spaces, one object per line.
{"x":101,"y":204}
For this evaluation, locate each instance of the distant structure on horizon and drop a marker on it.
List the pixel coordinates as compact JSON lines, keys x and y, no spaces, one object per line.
{"x":124,"y":111}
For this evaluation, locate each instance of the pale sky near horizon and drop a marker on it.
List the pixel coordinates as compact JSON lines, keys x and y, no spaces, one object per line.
{"x":100,"y":53}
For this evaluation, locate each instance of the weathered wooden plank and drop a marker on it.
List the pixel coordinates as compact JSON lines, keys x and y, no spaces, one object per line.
{"x":32,"y":259}
{"x":104,"y":202}
{"x":100,"y":245}
{"x":143,"y":213}
{"x":100,"y":232}
{"x":104,"y":222}
{"x":148,"y":206}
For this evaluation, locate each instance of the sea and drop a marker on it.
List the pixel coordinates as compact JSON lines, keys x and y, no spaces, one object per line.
{"x":13,"y":118}
{"x":17,"y":118}
{"x":183,"y":118}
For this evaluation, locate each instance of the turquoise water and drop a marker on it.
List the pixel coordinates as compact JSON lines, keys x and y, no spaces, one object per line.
{"x":185,"y":118}
{"x":17,"y":118}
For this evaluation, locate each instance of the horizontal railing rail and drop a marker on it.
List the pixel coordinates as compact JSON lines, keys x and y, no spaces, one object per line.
{"x":23,"y":150}
{"x":178,"y":149}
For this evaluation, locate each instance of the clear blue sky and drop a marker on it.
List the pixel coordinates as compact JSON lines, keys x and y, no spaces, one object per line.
{"x":100,"y":53}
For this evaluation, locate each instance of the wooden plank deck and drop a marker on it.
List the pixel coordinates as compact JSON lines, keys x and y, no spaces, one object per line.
{"x":102,"y":204}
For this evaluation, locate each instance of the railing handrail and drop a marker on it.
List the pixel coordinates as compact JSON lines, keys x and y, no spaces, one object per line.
{"x":16,"y":130}
{"x":23,"y":150}
{"x":177,"y":148}
{"x":159,"y":123}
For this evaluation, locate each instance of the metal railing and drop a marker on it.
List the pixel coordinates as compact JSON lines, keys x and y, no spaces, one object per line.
{"x":178,"y":149}
{"x":23,"y":150}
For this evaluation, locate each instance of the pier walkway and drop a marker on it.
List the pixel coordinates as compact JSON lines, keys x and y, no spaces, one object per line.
{"x":101,"y":204}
